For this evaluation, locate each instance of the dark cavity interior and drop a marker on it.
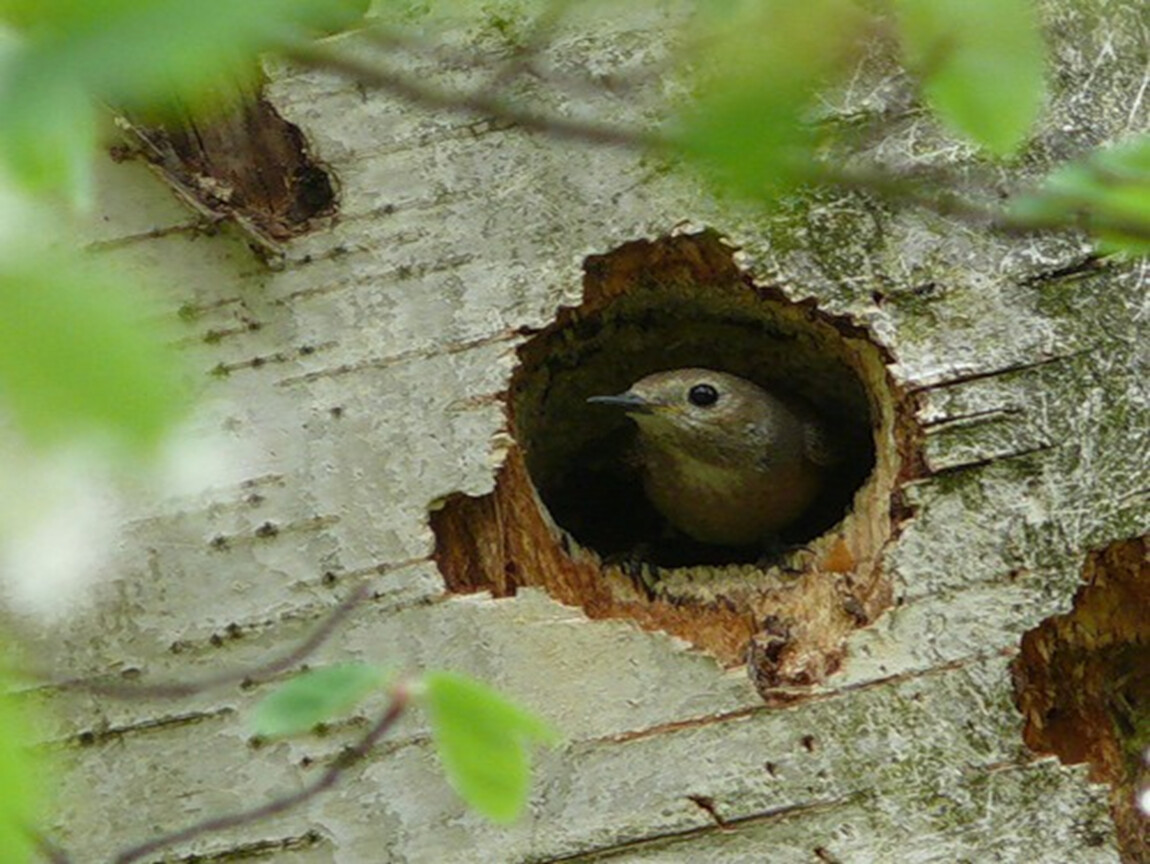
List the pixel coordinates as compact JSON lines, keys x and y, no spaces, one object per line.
{"x":580,"y":455}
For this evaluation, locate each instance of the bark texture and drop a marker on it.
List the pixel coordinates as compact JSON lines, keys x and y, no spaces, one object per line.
{"x":364,"y":379}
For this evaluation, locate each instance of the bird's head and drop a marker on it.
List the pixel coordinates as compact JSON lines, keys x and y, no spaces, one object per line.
{"x":700,"y":411}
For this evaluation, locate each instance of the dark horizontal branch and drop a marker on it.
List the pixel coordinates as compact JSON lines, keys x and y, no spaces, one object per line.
{"x":932,"y":193}
{"x":48,"y":850}
{"x":483,"y":103}
{"x":172,"y":690}
{"x":350,"y":756}
{"x":885,"y":184}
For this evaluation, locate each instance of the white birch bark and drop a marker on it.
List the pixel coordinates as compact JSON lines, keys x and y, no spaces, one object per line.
{"x":455,"y":233}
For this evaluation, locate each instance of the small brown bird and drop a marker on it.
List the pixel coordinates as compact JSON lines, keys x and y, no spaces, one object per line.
{"x":723,"y":460}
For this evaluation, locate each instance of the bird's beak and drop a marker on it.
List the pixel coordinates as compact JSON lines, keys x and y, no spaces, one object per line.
{"x":630,"y":402}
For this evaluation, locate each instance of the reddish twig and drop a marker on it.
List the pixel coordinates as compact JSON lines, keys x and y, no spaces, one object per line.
{"x":346,"y":759}
{"x":171,"y":690}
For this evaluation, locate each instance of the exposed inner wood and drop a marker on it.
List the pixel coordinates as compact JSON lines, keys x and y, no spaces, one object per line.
{"x":565,"y":502}
{"x":243,"y":163}
{"x":1083,"y":683}
{"x":502,"y":541}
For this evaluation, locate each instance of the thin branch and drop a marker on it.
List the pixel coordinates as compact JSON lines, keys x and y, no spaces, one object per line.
{"x":47,"y":848}
{"x":350,"y":756}
{"x":928,"y":192}
{"x":266,"y":670}
{"x":932,"y":194}
{"x":396,"y":41}
{"x":534,"y":43}
{"x":884,"y":184}
{"x":421,"y":93}
{"x":1093,"y":221}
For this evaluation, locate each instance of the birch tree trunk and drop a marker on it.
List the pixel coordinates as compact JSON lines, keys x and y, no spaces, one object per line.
{"x":364,"y":380}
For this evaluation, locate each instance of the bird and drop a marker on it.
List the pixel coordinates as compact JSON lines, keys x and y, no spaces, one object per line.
{"x":723,"y":460}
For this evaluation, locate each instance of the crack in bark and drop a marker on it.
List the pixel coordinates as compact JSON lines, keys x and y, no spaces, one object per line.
{"x":990,"y":460}
{"x":975,"y":418}
{"x":1092,"y":263}
{"x":980,"y":375}
{"x":402,"y":357}
{"x":671,"y":837}
{"x":91,"y":737}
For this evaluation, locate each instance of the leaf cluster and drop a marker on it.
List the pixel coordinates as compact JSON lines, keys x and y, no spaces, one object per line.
{"x":483,"y":740}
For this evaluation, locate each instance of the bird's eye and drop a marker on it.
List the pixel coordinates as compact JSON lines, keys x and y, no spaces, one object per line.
{"x":703,"y":395}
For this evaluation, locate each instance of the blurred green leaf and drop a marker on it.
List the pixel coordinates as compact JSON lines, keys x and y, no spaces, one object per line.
{"x":143,"y":53}
{"x":1108,"y":194}
{"x":982,"y":65}
{"x":483,"y":742}
{"x":21,"y":781}
{"x":48,"y":135}
{"x":148,"y":57}
{"x":73,"y":15}
{"x":314,"y":697}
{"x":750,"y":124}
{"x":78,"y":354}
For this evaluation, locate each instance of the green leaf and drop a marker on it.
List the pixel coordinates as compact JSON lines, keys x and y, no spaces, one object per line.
{"x":139,"y":53}
{"x":149,"y":57}
{"x":48,"y":136}
{"x":750,"y":124}
{"x":981,"y":63}
{"x":80,"y":354}
{"x":21,"y":782}
{"x":314,"y":697}
{"x":483,"y":742}
{"x":59,"y":16}
{"x":1108,"y":194}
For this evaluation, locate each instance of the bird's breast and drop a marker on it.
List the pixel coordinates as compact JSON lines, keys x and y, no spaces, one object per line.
{"x":727,"y":504}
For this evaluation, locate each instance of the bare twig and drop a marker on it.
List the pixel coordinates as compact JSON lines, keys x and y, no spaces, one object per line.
{"x":522,"y":59}
{"x":395,"y":41}
{"x":345,"y":760}
{"x":400,"y":43}
{"x":931,"y":193}
{"x":925,"y":191}
{"x":884,"y":184}
{"x":420,"y":92}
{"x":266,"y":670}
{"x":48,"y":849}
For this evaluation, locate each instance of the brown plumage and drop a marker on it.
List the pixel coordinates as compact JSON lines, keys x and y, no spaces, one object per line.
{"x":723,"y":460}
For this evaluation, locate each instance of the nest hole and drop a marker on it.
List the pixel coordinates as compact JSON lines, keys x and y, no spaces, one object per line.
{"x":580,"y":457}
{"x":1082,"y":683}
{"x":569,"y":513}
